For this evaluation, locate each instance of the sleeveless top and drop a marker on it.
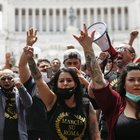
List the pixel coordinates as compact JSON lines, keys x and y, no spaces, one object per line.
{"x":127,"y":128}
{"x":67,"y":123}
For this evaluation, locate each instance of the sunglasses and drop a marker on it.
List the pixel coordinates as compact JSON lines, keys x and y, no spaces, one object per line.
{"x":43,"y":66}
{"x":122,"y":49}
{"x":6,"y":78}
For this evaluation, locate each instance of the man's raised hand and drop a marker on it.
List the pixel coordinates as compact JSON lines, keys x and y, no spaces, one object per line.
{"x":31,"y":37}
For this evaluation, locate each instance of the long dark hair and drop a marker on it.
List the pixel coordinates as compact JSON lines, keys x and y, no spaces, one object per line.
{"x":122,"y":77}
{"x":78,"y":89}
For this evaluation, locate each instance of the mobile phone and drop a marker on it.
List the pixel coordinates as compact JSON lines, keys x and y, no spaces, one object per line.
{"x":49,"y":72}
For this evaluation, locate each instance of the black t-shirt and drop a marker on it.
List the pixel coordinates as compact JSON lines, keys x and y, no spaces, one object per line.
{"x":127,"y":128}
{"x":11,"y":118}
{"x":36,"y":115}
{"x":11,"y":129}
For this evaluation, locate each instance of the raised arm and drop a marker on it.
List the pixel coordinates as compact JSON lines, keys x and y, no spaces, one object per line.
{"x":133,"y":36}
{"x":46,"y":95}
{"x":82,"y":79}
{"x":86,"y":42}
{"x":7,"y":64}
{"x":23,"y":66}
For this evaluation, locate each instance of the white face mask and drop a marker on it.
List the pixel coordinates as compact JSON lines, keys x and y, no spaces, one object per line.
{"x":134,"y":98}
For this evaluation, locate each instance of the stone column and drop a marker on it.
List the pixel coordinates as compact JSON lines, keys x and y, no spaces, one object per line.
{"x":95,"y":15}
{"x":88,"y":16}
{"x":40,"y":20}
{"x":33,"y":17}
{"x":20,"y":19}
{"x":54,"y":20}
{"x":1,"y":17}
{"x":26,"y":18}
{"x":81,"y":17}
{"x":115,"y":18}
{"x":123,"y":18}
{"x":47,"y":20}
{"x":109,"y":18}
{"x":61,"y":19}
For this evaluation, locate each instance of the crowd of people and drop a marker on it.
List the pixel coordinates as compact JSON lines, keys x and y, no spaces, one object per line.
{"x":68,"y":100}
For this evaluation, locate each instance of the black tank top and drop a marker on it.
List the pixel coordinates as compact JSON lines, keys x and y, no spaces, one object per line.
{"x":67,"y":124}
{"x":127,"y":128}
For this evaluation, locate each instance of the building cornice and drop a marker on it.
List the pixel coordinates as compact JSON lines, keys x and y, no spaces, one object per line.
{"x":69,"y":1}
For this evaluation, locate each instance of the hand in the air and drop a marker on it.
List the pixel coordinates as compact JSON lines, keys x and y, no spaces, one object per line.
{"x":31,"y":37}
{"x":134,"y":34}
{"x":84,"y":39}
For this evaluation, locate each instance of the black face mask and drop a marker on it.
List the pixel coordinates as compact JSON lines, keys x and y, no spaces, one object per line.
{"x":8,"y":92}
{"x":65,"y":93}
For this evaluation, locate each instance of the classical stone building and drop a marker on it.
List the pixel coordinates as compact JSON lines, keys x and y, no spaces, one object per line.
{"x":57,"y":20}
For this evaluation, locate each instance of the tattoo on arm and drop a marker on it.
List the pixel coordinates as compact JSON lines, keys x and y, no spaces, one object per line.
{"x":96,"y":73}
{"x":34,"y":70}
{"x":88,"y":58}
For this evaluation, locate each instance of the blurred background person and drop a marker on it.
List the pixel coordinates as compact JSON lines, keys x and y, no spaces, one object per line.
{"x":55,"y":65}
